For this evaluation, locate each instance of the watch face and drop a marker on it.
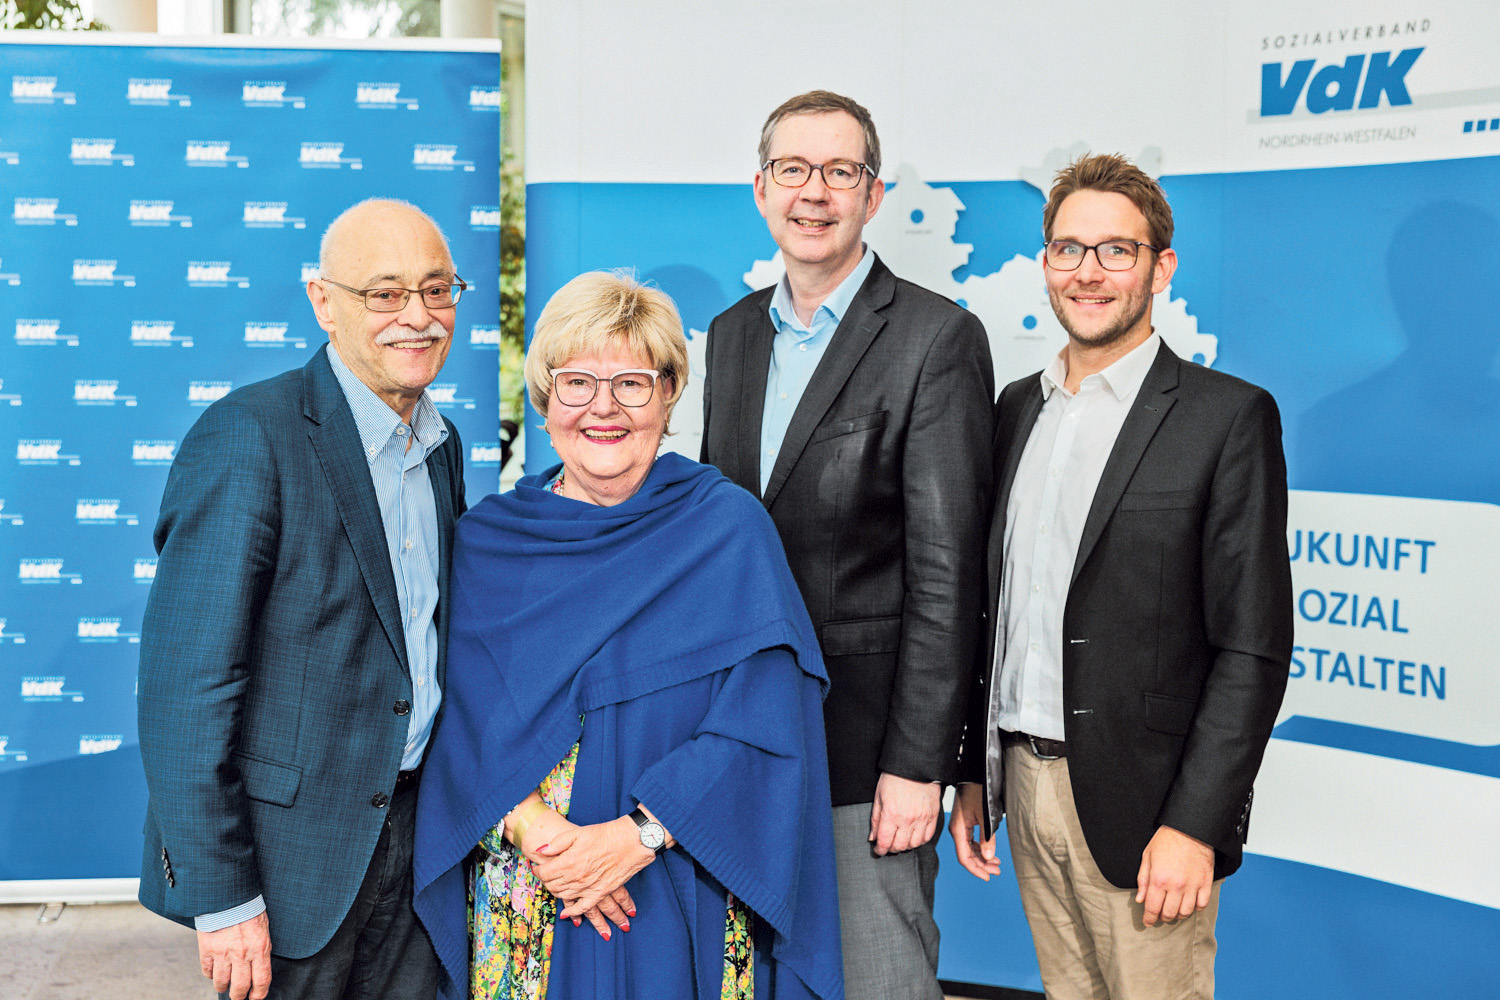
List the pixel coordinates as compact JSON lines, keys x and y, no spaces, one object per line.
{"x":653,"y":836}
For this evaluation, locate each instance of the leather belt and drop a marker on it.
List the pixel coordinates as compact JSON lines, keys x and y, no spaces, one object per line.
{"x":1041,"y":748}
{"x":407,"y":779}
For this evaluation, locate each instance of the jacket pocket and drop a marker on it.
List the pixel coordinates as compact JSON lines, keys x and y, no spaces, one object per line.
{"x":1168,"y":714}
{"x":853,"y":425}
{"x":863,"y":635}
{"x":1164,"y":500}
{"x":267,"y":781}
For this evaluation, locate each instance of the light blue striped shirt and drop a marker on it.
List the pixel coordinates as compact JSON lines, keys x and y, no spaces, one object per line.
{"x":408,"y":512}
{"x":795,"y":354}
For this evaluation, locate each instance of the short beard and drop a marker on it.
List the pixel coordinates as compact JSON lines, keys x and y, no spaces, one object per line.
{"x":1109,"y":335}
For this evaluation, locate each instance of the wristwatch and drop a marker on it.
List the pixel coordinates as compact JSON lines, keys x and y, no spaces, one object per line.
{"x":653,"y":837}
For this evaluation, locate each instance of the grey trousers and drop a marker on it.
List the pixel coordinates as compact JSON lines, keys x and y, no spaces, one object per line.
{"x":885,"y":909}
{"x":380,"y":951}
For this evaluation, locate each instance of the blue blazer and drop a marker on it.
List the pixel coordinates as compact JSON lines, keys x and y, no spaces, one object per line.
{"x":273,"y":677}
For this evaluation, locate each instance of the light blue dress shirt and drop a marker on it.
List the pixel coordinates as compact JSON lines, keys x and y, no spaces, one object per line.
{"x":795,"y":354}
{"x":408,"y":511}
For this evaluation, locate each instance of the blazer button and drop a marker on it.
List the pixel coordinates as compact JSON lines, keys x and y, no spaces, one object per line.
{"x":379,"y":799}
{"x":402,"y":707}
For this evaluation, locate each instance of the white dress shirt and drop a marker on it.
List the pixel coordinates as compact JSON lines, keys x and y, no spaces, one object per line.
{"x":1054,"y":488}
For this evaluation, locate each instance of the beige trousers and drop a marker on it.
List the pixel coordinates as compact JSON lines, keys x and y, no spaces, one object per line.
{"x":1090,"y":941}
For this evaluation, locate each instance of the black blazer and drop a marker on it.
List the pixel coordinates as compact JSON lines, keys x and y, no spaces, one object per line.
{"x":1178,"y":625}
{"x":881,"y":494}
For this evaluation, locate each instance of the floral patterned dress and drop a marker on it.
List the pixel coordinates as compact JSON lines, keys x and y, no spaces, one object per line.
{"x":513,"y":917}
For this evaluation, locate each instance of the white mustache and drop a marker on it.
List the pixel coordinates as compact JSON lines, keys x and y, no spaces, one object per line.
{"x":391,"y":335}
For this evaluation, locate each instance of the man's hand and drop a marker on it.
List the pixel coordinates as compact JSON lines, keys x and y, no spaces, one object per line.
{"x":968,"y":812}
{"x":905,"y":813}
{"x":238,"y":958}
{"x":1177,"y":876}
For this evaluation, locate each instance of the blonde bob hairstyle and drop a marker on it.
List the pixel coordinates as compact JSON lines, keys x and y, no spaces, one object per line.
{"x":602,"y":309}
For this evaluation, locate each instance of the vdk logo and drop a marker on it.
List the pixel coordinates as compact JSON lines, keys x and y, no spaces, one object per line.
{"x":42,"y":451}
{"x":156,"y":333}
{"x":484,"y":98}
{"x":101,"y":630}
{"x":102,"y":512}
{"x":31,"y":571}
{"x":40,"y":212}
{"x":153,"y":452}
{"x":326,"y":156}
{"x":99,"y":744}
{"x":147,"y":93}
{"x":484,"y":217}
{"x":157,"y":213}
{"x":100,"y":272}
{"x":485,"y":455}
{"x":19,"y":638}
{"x":10,"y":517}
{"x":13,"y":399}
{"x":47,"y":689}
{"x":484,"y":337}
{"x":213,"y":274}
{"x":99,"y":392}
{"x":98,"y":152}
{"x":212,"y":153}
{"x":38,"y":90}
{"x":310,"y":271}
{"x":445,"y":396}
{"x":428,"y":156}
{"x":271,"y":335}
{"x":203,"y":393}
{"x":1334,"y":87}
{"x":42,"y":331}
{"x":269,"y":215}
{"x":145,"y":570}
{"x":268,"y":94}
{"x":382,"y":95}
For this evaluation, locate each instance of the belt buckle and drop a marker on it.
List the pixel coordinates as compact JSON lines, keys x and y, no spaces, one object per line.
{"x":1036,"y":751}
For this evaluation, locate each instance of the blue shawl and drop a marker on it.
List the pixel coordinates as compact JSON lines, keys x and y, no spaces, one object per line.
{"x":672,"y":623}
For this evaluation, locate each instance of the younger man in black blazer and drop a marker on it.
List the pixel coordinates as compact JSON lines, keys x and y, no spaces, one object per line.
{"x":1138,"y":571}
{"x":857,"y":407}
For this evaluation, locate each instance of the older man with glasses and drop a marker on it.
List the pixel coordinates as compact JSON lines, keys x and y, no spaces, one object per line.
{"x":856,"y":406}
{"x":292,"y":649}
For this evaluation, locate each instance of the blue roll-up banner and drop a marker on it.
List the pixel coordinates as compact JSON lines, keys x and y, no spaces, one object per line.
{"x":1334,"y":171}
{"x":164,"y":208}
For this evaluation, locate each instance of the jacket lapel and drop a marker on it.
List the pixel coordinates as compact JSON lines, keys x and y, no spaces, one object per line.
{"x":755,"y":368}
{"x":1146,"y":414}
{"x":853,"y":337}
{"x":1010,"y":441}
{"x":441,"y":477}
{"x":335,"y":439}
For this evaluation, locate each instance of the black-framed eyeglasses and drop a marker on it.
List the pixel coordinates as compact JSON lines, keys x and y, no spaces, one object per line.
{"x":794,"y":172}
{"x":1112,"y":255}
{"x":389,"y":300}
{"x":578,"y":386}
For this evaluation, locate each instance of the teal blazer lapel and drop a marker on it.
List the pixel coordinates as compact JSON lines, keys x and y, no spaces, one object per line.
{"x":853,"y":337}
{"x":1157,"y":395}
{"x":335,"y":439}
{"x":442,"y":494}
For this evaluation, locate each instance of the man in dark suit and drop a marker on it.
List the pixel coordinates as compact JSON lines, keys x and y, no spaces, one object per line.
{"x":857,"y":407}
{"x":292,"y":649}
{"x":1138,"y":566}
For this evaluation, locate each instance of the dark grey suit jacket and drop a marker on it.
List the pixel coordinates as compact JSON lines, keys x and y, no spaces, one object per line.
{"x":274,"y":687}
{"x":1177,"y":633}
{"x":881,"y":495}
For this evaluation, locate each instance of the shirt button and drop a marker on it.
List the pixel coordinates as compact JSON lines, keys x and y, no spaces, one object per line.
{"x":1033,"y":647}
{"x":402,"y":707}
{"x":1054,"y":472}
{"x":801,"y":347}
{"x":1036,"y":588}
{"x":783,"y":395}
{"x":379,"y":800}
{"x":408,"y":543}
{"x":401,"y":430}
{"x":1042,"y":529}
{"x":421,"y":682}
{"x":374,"y":452}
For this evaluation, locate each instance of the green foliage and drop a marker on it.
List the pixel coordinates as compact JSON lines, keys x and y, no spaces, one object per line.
{"x":346,"y":18}
{"x":512,"y":275}
{"x":55,"y":15}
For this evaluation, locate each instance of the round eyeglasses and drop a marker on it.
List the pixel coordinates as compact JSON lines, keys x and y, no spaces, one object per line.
{"x":1112,"y":255}
{"x":389,"y":300}
{"x":578,"y":386}
{"x":794,"y":172}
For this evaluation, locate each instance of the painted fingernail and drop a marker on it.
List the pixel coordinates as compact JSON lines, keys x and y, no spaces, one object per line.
{"x":630,"y":912}
{"x":625,"y":927}
{"x":606,"y":935}
{"x":539,"y":850}
{"x":577,"y":922}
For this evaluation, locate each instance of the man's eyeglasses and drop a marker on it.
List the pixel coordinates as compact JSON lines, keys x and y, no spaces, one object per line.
{"x":794,"y":172}
{"x":1112,"y":255}
{"x":578,"y":386}
{"x":389,"y":300}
